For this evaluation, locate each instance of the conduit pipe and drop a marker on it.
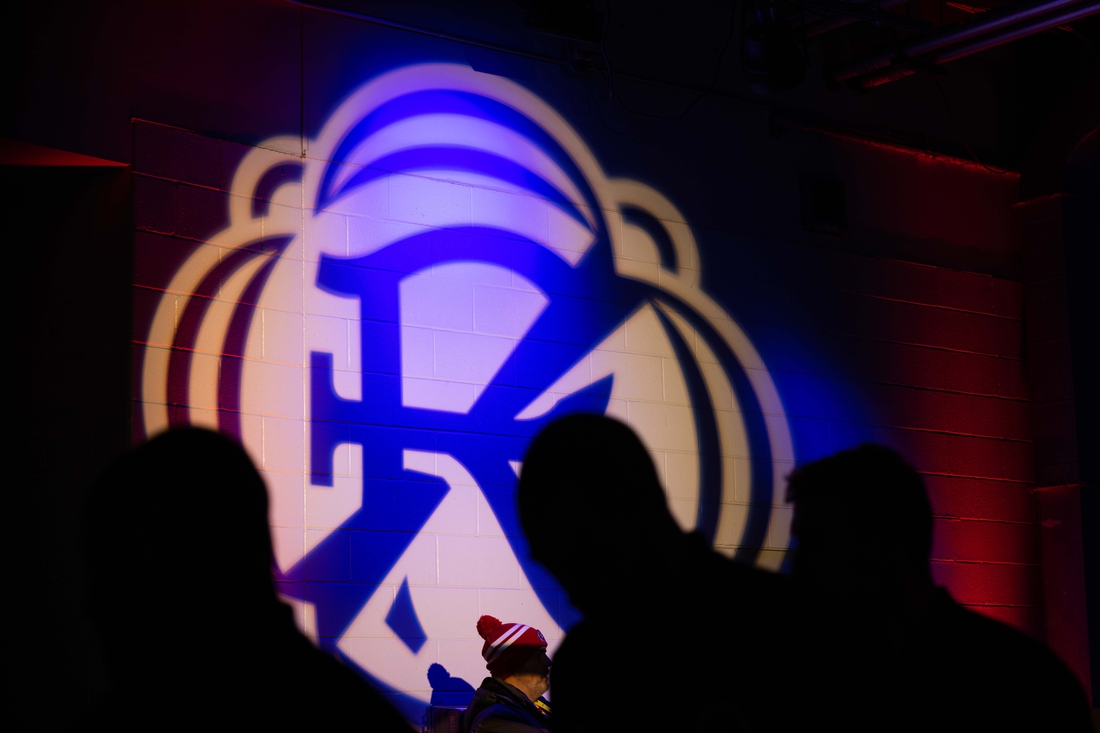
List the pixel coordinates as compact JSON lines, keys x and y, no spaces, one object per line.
{"x":545,"y":58}
{"x":986,"y":42}
{"x":840,"y":20}
{"x":1013,"y":34}
{"x":887,"y":140}
{"x":869,"y":11}
{"x":972,"y":28}
{"x":429,"y":32}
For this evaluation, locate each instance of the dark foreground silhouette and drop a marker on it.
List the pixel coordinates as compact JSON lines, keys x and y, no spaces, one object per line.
{"x":675,"y":637}
{"x":889,"y":649}
{"x":179,"y":561}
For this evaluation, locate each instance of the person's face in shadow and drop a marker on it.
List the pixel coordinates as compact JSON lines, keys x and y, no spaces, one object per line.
{"x":863,"y":525}
{"x":534,"y":678}
{"x":593,"y":509}
{"x":826,"y":557}
{"x":581,"y":561}
{"x":156,"y":560}
{"x":540,"y":677}
{"x":845,"y":558}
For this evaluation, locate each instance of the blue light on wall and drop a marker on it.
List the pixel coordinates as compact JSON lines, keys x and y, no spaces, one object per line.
{"x":446,"y":270}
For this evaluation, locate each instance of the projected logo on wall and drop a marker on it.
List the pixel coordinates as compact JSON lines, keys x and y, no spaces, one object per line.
{"x":388,"y":321}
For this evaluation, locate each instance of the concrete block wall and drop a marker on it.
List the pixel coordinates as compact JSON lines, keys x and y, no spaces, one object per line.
{"x":459,"y":563}
{"x":905,"y":330}
{"x":935,"y":358}
{"x":925,"y":358}
{"x":1059,"y":480}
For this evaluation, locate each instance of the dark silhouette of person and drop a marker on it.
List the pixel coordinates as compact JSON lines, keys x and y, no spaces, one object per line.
{"x":675,"y":637}
{"x":892,"y":650}
{"x":179,"y":562}
{"x":448,"y":691}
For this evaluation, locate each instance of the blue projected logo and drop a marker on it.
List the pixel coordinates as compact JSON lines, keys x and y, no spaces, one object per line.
{"x":444,"y":271}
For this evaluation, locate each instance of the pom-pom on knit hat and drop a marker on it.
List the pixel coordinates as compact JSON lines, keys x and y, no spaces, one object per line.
{"x":508,"y":646}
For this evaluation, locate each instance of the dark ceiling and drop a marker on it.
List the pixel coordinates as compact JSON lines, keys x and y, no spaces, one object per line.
{"x":82,"y":70}
{"x":663,"y":55}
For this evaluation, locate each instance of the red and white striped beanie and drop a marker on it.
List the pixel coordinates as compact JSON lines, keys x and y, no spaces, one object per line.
{"x":508,"y":646}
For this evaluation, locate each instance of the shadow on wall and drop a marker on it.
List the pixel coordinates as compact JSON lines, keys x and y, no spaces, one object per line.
{"x":448,"y":691}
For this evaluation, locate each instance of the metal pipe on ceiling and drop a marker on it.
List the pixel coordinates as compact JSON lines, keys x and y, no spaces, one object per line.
{"x":1013,"y":34}
{"x":429,"y":32}
{"x":832,"y":22}
{"x":872,"y":12}
{"x":888,"y":140}
{"x":984,"y":43}
{"x":971,"y":28}
{"x":513,"y":51}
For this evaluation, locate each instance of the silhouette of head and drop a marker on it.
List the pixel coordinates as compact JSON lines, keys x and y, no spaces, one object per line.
{"x":179,"y":558}
{"x":177,"y":542}
{"x":591,"y":505}
{"x":448,"y":691}
{"x":438,"y":676}
{"x":862,"y":521}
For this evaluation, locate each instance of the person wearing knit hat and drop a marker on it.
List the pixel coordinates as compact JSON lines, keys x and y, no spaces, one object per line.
{"x":510,"y":701}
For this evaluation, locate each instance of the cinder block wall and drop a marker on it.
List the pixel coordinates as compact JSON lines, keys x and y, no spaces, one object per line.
{"x":923,"y":356}
{"x":907,"y":330}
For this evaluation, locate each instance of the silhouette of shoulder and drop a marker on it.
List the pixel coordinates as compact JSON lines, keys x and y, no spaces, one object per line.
{"x":977,"y":673}
{"x":714,"y":630}
{"x":336,"y":694}
{"x":178,"y":555}
{"x":279,"y":681}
